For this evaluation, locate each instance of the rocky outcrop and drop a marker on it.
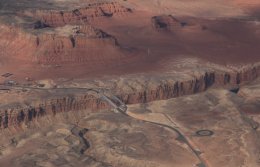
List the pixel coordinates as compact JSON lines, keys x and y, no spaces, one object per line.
{"x":15,"y":42}
{"x":80,"y":44}
{"x":76,"y":16}
{"x":163,"y":90}
{"x":17,"y":116}
{"x":166,"y":90}
{"x":89,"y":31}
{"x":167,"y":22}
{"x":76,"y":49}
{"x":69,"y":39}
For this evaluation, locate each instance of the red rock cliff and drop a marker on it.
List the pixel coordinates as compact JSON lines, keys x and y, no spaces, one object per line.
{"x":92,"y":11}
{"x":164,"y":90}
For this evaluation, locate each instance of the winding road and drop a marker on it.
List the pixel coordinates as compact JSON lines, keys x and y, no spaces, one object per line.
{"x":120,"y":107}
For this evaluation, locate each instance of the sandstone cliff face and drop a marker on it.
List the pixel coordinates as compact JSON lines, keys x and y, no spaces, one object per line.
{"x":198,"y":84}
{"x":164,"y":90}
{"x":16,"y":116}
{"x":83,"y":44}
{"x":15,"y":42}
{"x":69,"y":40}
{"x":52,"y":49}
{"x":92,"y":11}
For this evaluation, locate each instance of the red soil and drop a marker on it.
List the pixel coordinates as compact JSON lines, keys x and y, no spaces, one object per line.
{"x":122,"y":44}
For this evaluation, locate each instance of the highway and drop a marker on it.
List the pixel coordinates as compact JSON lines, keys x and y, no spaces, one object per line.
{"x":120,"y":107}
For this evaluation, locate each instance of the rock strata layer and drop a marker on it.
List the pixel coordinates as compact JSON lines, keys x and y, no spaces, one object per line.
{"x":76,"y":16}
{"x":160,"y":91}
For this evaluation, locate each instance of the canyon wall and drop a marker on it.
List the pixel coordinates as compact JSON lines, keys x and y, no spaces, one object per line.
{"x":188,"y":87}
{"x":14,"y":42}
{"x":63,"y":37}
{"x":77,"y":16}
{"x":165,"y":90}
{"x":16,"y":116}
{"x":52,"y":49}
{"x":80,"y":45}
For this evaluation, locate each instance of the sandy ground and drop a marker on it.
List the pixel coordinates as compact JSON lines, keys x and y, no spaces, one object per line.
{"x":235,"y":140}
{"x":223,"y":35}
{"x":229,"y":34}
{"x":117,"y":140}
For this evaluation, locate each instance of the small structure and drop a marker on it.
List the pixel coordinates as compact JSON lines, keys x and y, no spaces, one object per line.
{"x":10,"y":82}
{"x":203,"y":133}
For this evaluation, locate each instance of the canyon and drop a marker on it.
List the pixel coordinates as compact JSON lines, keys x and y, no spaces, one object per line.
{"x":178,"y":67}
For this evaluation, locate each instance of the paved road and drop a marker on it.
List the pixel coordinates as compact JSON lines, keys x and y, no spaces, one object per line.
{"x":120,"y":107}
